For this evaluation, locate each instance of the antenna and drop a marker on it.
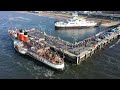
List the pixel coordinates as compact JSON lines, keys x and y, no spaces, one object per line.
{"x":63,"y":52}
{"x":50,"y":32}
{"x":40,"y":27}
{"x":11,"y":26}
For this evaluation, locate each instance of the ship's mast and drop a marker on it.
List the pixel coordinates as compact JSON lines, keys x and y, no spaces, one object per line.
{"x":10,"y":27}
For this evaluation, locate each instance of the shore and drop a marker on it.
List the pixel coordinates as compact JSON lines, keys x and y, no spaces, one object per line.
{"x":51,"y":15}
{"x":105,"y":22}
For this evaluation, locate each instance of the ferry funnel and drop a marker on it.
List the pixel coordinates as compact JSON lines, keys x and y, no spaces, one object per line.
{"x":21,"y":35}
{"x":26,"y":39}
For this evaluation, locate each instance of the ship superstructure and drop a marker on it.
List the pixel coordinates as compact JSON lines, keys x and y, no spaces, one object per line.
{"x":36,"y":48}
{"x":75,"y":22}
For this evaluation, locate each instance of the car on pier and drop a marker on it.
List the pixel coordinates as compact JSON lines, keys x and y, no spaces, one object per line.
{"x":109,"y":33}
{"x":118,"y":28}
{"x":112,"y":30}
{"x":103,"y":36}
{"x":98,"y":39}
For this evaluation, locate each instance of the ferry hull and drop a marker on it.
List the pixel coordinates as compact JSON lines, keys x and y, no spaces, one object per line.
{"x":69,"y":28}
{"x":76,"y":27}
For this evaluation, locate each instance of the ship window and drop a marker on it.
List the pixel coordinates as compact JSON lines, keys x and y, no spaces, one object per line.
{"x":71,"y":23}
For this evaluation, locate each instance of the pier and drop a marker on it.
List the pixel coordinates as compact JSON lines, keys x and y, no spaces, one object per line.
{"x":78,"y":51}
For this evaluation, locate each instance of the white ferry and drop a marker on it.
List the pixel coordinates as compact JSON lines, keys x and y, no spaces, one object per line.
{"x":75,"y":22}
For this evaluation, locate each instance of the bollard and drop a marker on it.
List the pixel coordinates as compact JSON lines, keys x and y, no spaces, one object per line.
{"x":77,"y":60}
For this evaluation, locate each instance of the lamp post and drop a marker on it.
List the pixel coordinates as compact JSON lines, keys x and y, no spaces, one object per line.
{"x":50,"y":32}
{"x":40,"y":27}
{"x":74,"y":40}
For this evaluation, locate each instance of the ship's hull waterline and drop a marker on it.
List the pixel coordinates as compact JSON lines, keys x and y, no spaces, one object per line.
{"x":57,"y":67}
{"x":76,"y":25}
{"x":73,"y":28}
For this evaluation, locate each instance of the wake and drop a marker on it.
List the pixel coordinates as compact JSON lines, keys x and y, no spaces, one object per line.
{"x":115,"y":44}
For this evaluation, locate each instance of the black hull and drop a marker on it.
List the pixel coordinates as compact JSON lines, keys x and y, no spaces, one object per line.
{"x":71,"y":28}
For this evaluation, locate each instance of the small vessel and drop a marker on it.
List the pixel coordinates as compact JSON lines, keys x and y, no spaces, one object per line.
{"x":75,"y":23}
{"x":38,"y":50}
{"x":19,"y":46}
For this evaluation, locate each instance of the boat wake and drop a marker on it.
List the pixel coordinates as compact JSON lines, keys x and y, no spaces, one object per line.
{"x":49,"y":73}
{"x":115,"y":44}
{"x":112,"y":46}
{"x":14,"y":18}
{"x":118,"y":41}
{"x":36,"y":71}
{"x":18,"y":18}
{"x":22,"y":18}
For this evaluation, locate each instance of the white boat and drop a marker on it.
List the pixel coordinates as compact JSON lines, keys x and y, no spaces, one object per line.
{"x":75,"y":22}
{"x":19,"y":46}
{"x":44,"y":55}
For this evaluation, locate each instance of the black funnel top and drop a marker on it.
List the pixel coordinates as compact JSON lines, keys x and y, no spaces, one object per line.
{"x":21,"y":30}
{"x":25,"y":33}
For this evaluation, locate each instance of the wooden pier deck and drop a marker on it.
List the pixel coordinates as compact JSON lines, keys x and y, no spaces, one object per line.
{"x":76,"y":53}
